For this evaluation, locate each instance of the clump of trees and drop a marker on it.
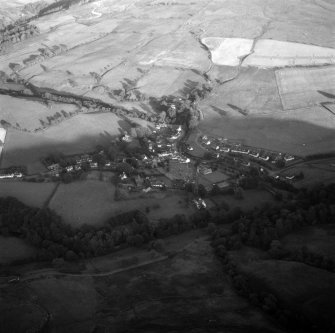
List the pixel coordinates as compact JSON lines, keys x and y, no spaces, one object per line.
{"x":177,"y":110}
{"x":15,"y":33}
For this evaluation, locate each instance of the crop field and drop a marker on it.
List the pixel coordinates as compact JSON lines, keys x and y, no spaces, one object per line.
{"x":305,"y":87}
{"x":76,"y":135}
{"x":28,"y":114}
{"x":12,"y":249}
{"x":31,"y":194}
{"x":228,"y":51}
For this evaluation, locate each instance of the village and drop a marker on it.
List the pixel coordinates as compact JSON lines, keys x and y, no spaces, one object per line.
{"x":160,"y":160}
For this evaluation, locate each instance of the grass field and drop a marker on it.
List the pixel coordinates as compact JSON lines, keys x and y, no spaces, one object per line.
{"x":31,"y":194}
{"x":74,"y":136}
{"x":12,"y":249}
{"x":28,"y":114}
{"x":274,"y":53}
{"x":317,"y":239}
{"x":303,"y":87}
{"x":92,"y":202}
{"x":252,"y":198}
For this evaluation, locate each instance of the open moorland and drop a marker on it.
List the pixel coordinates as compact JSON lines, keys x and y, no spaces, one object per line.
{"x":187,"y":292}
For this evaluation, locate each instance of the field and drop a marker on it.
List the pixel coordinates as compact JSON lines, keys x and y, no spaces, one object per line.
{"x":251,"y":199}
{"x":274,"y":53}
{"x":303,"y":87}
{"x":92,"y":202}
{"x":320,"y":239}
{"x":188,"y":292}
{"x":74,"y":136}
{"x":314,"y":173}
{"x":12,"y":249}
{"x":266,"y":53}
{"x":28,"y":114}
{"x":31,"y":194}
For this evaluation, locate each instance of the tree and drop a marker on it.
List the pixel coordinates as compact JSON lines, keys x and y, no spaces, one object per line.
{"x":71,"y":256}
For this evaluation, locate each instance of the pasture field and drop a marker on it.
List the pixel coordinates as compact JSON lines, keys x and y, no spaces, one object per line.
{"x":31,"y":194}
{"x":76,"y":135}
{"x":317,"y":239}
{"x":93,"y":202}
{"x":314,"y":173}
{"x":251,"y":199}
{"x":12,"y":249}
{"x":84,"y":202}
{"x":266,"y":53}
{"x":274,"y":53}
{"x":303,"y":87}
{"x":28,"y":114}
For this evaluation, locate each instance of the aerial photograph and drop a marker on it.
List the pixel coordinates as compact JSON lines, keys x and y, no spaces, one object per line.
{"x":167,"y":166}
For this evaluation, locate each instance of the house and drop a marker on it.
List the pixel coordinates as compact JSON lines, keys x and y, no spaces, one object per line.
{"x":240,"y":150}
{"x":69,"y":168}
{"x":254,"y":153}
{"x":156,"y":183}
{"x":123,"y":176}
{"x":77,"y":167}
{"x":205,"y":170}
{"x":126,"y":138}
{"x":200,"y":203}
{"x":225,"y":149}
{"x":289,"y":158}
{"x":93,"y":165}
{"x":54,"y":167}
{"x":84,"y":159}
